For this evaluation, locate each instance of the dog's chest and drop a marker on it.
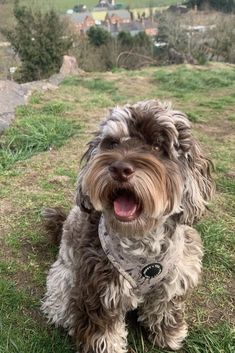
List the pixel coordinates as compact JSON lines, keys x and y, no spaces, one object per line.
{"x":143,"y":271}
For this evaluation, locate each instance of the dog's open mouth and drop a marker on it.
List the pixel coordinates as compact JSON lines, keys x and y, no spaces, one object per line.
{"x":126,"y":206}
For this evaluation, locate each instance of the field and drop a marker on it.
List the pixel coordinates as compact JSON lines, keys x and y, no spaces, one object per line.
{"x":39,"y":160}
{"x":63,"y":5}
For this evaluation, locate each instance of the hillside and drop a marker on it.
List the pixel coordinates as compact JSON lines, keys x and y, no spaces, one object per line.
{"x":6,"y":15}
{"x":62,"y":5}
{"x":40,"y":156}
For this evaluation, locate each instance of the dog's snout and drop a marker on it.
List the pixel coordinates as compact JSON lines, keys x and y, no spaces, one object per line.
{"x":121,"y":171}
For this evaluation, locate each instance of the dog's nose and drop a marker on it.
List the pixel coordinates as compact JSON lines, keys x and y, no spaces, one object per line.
{"x":121,"y":171}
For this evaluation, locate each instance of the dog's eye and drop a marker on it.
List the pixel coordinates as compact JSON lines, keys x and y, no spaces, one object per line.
{"x":109,"y":143}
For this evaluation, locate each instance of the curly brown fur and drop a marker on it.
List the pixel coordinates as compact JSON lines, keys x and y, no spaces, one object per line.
{"x":54,"y":219}
{"x":147,"y":176}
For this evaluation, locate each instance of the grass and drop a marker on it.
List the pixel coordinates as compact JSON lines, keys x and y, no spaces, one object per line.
{"x":185,"y":81}
{"x":219,"y":243}
{"x":39,"y":159}
{"x":63,"y":5}
{"x":29,"y":336}
{"x":35,"y":132}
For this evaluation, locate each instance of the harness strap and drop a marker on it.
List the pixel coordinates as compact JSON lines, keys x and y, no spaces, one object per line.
{"x":143,"y":273}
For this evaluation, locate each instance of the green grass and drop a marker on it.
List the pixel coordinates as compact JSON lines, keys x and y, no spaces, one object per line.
{"x":219,"y":244}
{"x":19,"y":331}
{"x":59,"y":123}
{"x":186,"y":81}
{"x":205,"y":340}
{"x":200,"y":340}
{"x":35,"y":132}
{"x":195,"y":116}
{"x":62,"y":5}
{"x":96,"y":84}
{"x":103,"y":93}
{"x":220,"y":103}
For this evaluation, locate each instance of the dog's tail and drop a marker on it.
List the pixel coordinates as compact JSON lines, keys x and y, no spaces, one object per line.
{"x":54,"y":220}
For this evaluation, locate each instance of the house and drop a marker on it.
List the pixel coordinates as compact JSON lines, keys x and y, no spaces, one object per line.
{"x":82,"y":21}
{"x":150,"y":27}
{"x":118,"y":16}
{"x":134,"y":27}
{"x":99,"y":14}
{"x":108,"y":4}
{"x":146,"y":12}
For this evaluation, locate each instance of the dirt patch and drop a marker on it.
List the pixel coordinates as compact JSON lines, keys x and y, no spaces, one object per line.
{"x":213,"y":307}
{"x":220,"y":129}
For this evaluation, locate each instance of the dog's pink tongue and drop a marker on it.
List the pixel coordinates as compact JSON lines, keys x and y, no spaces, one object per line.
{"x":124,"y":207}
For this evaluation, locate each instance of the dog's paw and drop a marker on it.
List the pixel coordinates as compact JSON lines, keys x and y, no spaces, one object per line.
{"x":169,"y":337}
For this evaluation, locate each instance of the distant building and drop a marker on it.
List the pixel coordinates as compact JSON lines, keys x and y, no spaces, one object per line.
{"x":113,"y":20}
{"x":146,"y":12}
{"x":106,"y":4}
{"x":118,"y":16}
{"x":82,"y":21}
{"x":134,"y":27}
{"x":99,"y":14}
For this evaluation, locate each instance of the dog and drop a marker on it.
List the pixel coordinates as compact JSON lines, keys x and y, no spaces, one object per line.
{"x":128,"y":243}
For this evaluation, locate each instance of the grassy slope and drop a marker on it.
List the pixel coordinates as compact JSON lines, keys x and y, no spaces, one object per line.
{"x":45,"y":174}
{"x":63,"y":5}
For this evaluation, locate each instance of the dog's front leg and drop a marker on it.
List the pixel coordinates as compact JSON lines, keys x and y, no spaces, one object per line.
{"x":164,"y":319}
{"x":100,"y":324}
{"x":96,"y":336}
{"x":163,"y":309}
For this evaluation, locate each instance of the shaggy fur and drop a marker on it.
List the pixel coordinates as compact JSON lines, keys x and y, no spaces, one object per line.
{"x":145,"y":151}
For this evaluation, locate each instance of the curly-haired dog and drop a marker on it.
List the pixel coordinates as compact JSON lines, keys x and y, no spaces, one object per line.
{"x":128,"y":242}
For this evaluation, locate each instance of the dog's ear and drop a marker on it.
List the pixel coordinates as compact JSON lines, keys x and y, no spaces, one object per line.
{"x":83,"y":200}
{"x":196,"y":171}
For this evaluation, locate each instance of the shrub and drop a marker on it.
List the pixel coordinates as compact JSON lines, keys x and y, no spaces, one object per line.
{"x":98,"y":36}
{"x":40,"y":42}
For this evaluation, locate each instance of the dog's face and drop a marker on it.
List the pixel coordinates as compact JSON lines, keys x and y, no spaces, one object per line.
{"x":142,"y":167}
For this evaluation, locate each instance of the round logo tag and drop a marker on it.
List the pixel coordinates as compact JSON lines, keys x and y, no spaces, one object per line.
{"x":151,"y":270}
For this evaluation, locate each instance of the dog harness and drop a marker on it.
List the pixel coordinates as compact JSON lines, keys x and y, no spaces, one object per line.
{"x":143,"y":273}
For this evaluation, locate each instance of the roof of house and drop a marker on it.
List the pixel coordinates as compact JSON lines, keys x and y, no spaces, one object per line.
{"x":79,"y":17}
{"x":133,"y":26}
{"x":126,"y":27}
{"x":124,"y":14}
{"x":148,"y":23}
{"x":99,"y":15}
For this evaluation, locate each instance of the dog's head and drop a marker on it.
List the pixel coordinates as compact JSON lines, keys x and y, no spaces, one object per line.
{"x":144,"y":166}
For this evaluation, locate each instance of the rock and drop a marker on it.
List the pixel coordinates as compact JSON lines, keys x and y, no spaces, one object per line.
{"x":176,"y":57}
{"x":33,"y":86}
{"x":69,"y":66}
{"x":11,"y":96}
{"x":191,"y":60}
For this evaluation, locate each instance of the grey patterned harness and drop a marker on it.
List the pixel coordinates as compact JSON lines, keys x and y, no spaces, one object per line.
{"x":143,"y":273}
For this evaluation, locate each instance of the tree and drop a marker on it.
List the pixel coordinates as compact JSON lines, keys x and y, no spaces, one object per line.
{"x":220,"y":5}
{"x":40,"y":42}
{"x":141,"y":39}
{"x":125,"y":39}
{"x":98,"y":36}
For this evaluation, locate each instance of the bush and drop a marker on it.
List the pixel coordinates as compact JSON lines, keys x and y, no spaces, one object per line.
{"x":98,"y":36}
{"x":40,"y":42}
{"x":224,"y":5}
{"x":221,"y":39}
{"x":216,"y":43}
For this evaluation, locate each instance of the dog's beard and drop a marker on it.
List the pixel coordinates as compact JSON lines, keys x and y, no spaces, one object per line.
{"x":134,"y":207}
